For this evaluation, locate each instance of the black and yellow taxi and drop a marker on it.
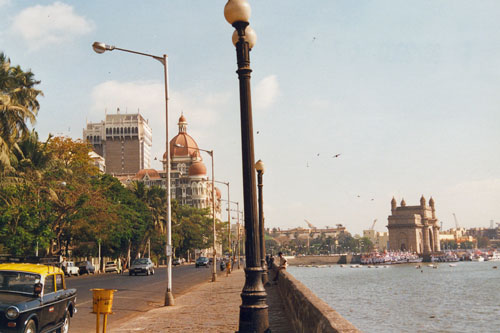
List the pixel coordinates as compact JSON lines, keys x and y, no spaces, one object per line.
{"x":34,"y":298}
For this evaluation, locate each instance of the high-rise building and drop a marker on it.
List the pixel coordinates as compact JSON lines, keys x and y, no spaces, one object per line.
{"x":124,"y":140}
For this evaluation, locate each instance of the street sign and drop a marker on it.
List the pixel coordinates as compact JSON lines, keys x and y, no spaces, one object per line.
{"x":169,"y":250}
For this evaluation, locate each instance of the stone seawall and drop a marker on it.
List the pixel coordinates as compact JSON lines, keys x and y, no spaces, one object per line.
{"x":324,"y":260}
{"x":307,"y":312}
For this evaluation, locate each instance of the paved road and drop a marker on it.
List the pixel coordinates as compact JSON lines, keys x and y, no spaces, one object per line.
{"x":135,"y":295}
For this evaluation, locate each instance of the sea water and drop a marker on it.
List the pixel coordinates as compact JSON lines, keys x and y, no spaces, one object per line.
{"x":403,"y":298}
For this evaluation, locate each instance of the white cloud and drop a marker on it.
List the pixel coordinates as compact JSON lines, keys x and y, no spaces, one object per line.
{"x":53,"y":24}
{"x":4,"y":3}
{"x":149,"y":98}
{"x":266,"y":92}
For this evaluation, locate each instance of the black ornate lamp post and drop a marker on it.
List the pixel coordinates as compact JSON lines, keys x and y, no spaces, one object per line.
{"x":101,"y":48}
{"x":259,"y":166}
{"x":253,"y":310}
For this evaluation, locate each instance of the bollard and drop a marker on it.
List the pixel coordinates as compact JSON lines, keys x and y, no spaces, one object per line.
{"x":102,"y":303}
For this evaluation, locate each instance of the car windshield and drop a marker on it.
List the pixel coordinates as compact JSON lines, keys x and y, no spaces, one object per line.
{"x":203,"y":259}
{"x":18,"y":282}
{"x":140,"y":261}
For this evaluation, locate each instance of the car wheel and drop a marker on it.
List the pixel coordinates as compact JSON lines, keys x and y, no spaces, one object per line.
{"x":130,"y":273}
{"x":147,"y":272}
{"x":196,"y":266}
{"x":30,"y":327}
{"x":65,"y":327}
{"x":152,"y":272}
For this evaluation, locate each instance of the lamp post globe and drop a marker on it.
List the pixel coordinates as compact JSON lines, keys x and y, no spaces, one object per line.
{"x":250,"y":37}
{"x":237,"y":11}
{"x":259,"y":166}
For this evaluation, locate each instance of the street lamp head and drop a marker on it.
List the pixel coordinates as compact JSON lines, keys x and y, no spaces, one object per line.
{"x":250,"y":37}
{"x":237,"y":11}
{"x":101,"y":47}
{"x":259,"y":166}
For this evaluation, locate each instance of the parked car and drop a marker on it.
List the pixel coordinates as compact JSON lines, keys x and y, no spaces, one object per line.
{"x":201,"y":261}
{"x":34,"y":298}
{"x":111,"y":267}
{"x":70,"y":268}
{"x":142,"y":265}
{"x":176,"y":261}
{"x":85,"y":267}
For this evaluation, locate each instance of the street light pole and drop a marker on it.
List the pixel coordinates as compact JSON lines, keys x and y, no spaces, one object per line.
{"x":254,"y":309}
{"x":101,"y":48}
{"x":259,"y":166}
{"x":238,"y":229}
{"x":228,"y":220}
{"x":211,"y":153}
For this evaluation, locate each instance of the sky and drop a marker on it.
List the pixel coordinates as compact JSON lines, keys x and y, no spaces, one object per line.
{"x":406,"y":91}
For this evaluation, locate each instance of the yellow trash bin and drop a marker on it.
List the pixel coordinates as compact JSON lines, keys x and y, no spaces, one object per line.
{"x":102,"y":300}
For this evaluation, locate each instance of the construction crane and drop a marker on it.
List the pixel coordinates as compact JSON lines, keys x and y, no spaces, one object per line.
{"x":310,"y":224}
{"x":456,"y":221}
{"x":373,"y":224}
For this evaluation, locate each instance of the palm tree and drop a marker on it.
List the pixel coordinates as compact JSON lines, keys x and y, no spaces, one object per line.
{"x":154,"y":198}
{"x":18,"y":105}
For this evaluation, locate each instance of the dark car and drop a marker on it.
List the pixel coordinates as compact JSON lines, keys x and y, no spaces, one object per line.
{"x":34,"y":298}
{"x":85,"y":267}
{"x":142,"y":265}
{"x":201,"y":261}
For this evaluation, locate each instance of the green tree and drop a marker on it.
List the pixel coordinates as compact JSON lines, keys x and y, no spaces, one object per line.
{"x":18,"y":105}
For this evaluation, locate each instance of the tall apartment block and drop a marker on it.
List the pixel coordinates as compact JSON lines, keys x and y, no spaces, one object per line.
{"x":124,"y":140}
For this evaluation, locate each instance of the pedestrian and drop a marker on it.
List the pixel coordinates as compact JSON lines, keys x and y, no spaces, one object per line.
{"x":283,"y":265}
{"x":228,"y":268}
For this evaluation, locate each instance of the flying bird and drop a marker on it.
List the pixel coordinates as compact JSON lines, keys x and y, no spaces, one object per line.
{"x":257,"y":132}
{"x":336,"y":155}
{"x":318,"y":154}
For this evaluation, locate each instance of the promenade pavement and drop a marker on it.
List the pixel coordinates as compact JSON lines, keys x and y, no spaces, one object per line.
{"x":208,"y":307}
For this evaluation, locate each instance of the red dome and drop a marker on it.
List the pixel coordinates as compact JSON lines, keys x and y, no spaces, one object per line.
{"x":188,"y":146}
{"x":182,"y":119}
{"x":197,"y":169}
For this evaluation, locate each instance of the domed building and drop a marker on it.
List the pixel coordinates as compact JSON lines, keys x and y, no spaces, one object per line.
{"x":188,"y":173}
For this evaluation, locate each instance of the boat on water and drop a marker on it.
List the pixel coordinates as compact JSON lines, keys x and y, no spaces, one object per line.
{"x":390,"y":258}
{"x":478,"y":258}
{"x":445,"y":257}
{"x":495,"y":256}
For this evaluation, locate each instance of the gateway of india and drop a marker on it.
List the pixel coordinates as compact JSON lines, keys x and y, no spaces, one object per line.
{"x":414,"y":228}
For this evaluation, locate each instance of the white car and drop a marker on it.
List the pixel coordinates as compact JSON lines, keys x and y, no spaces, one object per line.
{"x":142,"y":265}
{"x":111,"y":267}
{"x":70,"y":268}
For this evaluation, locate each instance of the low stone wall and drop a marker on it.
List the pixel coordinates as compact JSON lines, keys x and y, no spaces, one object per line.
{"x":307,"y":312}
